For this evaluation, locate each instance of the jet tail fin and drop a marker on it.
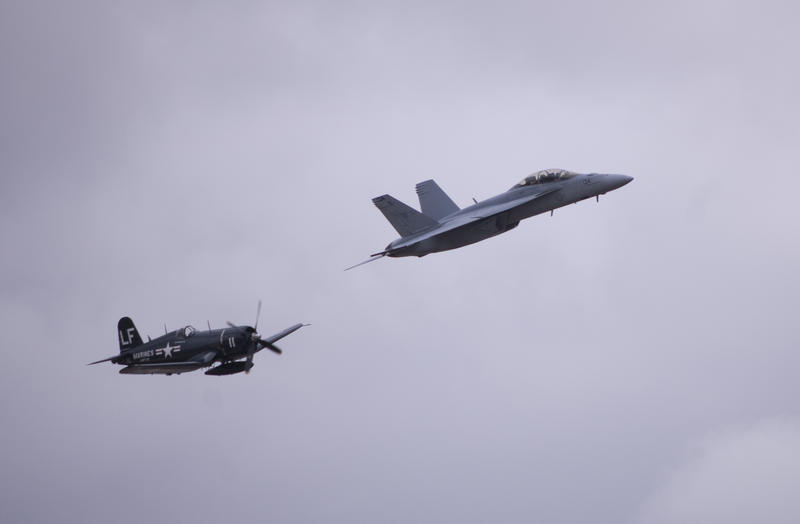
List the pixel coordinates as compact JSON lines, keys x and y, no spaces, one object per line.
{"x":433,"y":201}
{"x":406,"y":220}
{"x":128,"y":336}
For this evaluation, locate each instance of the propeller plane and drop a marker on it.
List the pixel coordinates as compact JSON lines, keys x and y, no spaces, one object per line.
{"x":187,"y":349}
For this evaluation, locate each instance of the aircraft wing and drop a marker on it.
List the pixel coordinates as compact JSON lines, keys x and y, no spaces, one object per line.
{"x":288,"y":331}
{"x":109,"y":359}
{"x":488,"y":211}
{"x":479,"y":214}
{"x":161,"y":369}
{"x":164,"y":368}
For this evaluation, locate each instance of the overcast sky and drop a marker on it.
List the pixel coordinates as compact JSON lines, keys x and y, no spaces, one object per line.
{"x":633,"y":361}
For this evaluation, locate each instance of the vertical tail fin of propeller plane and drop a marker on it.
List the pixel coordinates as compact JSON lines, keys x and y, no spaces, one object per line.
{"x":406,"y":220}
{"x":433,"y":201}
{"x":128,"y":336}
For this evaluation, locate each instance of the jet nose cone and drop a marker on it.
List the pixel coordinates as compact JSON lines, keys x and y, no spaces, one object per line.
{"x":620,"y":180}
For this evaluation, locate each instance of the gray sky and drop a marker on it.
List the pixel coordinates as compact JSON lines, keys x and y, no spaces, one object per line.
{"x":630,"y":361}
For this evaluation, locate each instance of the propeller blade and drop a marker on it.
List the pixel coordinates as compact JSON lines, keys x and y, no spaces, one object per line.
{"x":231,"y":324}
{"x":271,"y":347}
{"x":249,"y":359}
{"x":258,"y":315}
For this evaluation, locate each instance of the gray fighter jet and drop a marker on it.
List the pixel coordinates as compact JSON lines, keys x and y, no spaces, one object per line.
{"x":442,"y":225}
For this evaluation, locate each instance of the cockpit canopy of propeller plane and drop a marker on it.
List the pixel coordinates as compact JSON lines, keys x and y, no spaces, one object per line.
{"x":185,"y":332}
{"x":545,"y":175}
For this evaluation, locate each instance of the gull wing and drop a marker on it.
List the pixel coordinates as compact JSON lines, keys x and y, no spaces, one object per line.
{"x":161,"y":369}
{"x":279,"y":335}
{"x":109,"y":359}
{"x":167,"y":368}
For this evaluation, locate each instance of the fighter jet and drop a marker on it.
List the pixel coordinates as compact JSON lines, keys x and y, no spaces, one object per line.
{"x":187,"y":349}
{"x":442,"y":226}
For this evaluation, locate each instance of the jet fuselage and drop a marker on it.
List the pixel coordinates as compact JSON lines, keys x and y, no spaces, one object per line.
{"x":563,"y":192}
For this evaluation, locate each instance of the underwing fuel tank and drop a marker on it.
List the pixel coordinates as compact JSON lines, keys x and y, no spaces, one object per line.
{"x":230,"y":368}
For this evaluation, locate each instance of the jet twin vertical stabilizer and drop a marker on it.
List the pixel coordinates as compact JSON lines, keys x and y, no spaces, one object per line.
{"x":433,"y":201}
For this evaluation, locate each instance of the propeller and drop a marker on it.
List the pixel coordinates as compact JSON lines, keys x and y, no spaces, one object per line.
{"x":255,"y":340}
{"x":271,"y":347}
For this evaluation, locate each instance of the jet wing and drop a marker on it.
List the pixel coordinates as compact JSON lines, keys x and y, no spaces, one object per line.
{"x":488,"y":211}
{"x":476,"y":215}
{"x":288,"y":331}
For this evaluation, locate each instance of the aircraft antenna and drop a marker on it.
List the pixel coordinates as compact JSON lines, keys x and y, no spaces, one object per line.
{"x":165,"y":328}
{"x":209,"y":325}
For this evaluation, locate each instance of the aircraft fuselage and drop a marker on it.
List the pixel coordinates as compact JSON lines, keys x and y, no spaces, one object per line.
{"x":564,"y":192}
{"x":198,"y":349}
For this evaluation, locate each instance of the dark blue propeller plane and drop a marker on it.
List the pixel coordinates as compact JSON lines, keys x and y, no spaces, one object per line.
{"x":187,"y":349}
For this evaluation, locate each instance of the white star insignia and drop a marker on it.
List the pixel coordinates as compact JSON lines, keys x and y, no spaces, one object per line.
{"x":168,"y":351}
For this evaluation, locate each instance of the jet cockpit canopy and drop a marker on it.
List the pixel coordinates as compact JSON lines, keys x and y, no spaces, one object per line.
{"x":545,"y":175}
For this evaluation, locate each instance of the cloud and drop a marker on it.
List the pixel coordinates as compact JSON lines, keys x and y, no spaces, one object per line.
{"x":175,"y":162}
{"x":745,"y":476}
